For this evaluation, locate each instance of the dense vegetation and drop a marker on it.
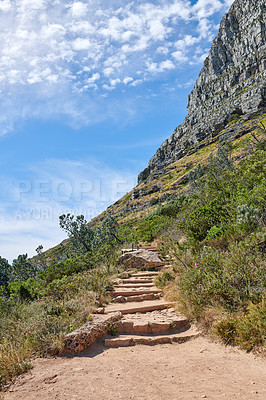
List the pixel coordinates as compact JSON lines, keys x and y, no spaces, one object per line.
{"x":215,"y":232}
{"x":43,"y":299}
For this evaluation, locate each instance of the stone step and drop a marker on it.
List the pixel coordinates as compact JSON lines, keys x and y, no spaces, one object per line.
{"x":152,"y":327}
{"x":133,"y":285}
{"x":136,"y":292}
{"x":141,"y":297}
{"x":129,"y":280}
{"x":147,"y":246}
{"x":132,"y":340}
{"x":133,"y":308}
{"x":145,"y":274}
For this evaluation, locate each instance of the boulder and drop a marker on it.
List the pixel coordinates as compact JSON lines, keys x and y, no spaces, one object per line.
{"x":140,"y":259}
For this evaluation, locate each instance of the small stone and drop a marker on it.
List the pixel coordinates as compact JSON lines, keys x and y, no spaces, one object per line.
{"x":204,"y":396}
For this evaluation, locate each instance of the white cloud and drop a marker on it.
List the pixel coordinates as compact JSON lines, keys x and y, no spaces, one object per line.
{"x":179,"y":56}
{"x":79,"y":9}
{"x":5,"y":5}
{"x":116,"y":40}
{"x":136,"y":82}
{"x":127,"y":80}
{"x":205,"y":8}
{"x":94,"y":78}
{"x":114,"y":82}
{"x":157,"y":30}
{"x":81,"y":44}
{"x":160,"y":67}
{"x":162,"y":50}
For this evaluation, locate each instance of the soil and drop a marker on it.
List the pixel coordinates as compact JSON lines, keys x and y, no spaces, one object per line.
{"x":193,"y":370}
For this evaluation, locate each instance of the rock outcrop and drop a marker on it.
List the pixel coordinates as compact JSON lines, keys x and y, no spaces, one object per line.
{"x":140,"y":259}
{"x":232,"y":83}
{"x":90,"y":333}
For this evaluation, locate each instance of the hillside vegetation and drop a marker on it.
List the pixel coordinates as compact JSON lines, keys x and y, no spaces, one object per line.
{"x":213,"y":226}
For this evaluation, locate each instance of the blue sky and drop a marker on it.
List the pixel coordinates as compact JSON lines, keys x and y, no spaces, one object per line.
{"x":88,"y":91}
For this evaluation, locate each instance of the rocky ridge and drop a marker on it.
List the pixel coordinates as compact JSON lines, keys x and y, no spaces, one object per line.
{"x":230,"y":85}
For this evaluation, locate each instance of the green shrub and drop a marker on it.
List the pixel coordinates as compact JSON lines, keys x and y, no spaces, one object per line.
{"x":247,"y":330}
{"x":215,"y":232}
{"x":229,"y":279}
{"x":164,"y":279}
{"x":172,"y":208}
{"x":247,"y":217}
{"x":151,"y":227}
{"x":203,"y":218}
{"x":251,"y":327}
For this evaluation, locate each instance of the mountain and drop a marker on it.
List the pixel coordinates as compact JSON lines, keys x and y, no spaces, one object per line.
{"x":231,"y":83}
{"x":227,"y":104}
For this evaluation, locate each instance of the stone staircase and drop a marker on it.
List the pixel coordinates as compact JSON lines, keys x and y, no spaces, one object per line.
{"x":146,"y":317}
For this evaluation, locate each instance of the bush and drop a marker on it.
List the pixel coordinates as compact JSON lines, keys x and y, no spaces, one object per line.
{"x":201,"y":220}
{"x":172,"y":208}
{"x":164,"y":279}
{"x":215,"y":232}
{"x":151,"y":227}
{"x":247,"y":217}
{"x":247,"y":330}
{"x":229,"y":279}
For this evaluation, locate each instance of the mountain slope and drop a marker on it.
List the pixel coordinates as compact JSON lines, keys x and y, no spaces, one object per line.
{"x":232,"y":82}
{"x":227,"y":104}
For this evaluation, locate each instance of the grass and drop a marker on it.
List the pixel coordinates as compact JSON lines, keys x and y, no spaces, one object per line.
{"x":37,"y":328}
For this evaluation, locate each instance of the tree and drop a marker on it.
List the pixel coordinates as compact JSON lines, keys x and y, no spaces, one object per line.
{"x":108,"y":231}
{"x":41,"y":259}
{"x":22,"y":269}
{"x":4,"y":271}
{"x":80,"y":234}
{"x":194,"y":178}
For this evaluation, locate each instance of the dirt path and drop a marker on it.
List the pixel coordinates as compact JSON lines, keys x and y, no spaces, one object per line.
{"x":122,"y":368}
{"x":186,"y":371}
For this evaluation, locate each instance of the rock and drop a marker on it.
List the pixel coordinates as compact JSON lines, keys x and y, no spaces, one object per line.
{"x":89,"y":333}
{"x":119,"y":299}
{"x":140,"y":259}
{"x":231,"y":84}
{"x":100,"y":310}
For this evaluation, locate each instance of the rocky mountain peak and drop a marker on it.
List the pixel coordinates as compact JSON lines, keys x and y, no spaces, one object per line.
{"x":232,"y":82}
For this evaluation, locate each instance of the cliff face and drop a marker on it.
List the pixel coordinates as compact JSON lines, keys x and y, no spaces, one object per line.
{"x":232,"y":81}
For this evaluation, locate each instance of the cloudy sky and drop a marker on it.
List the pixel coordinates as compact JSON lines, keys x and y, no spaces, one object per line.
{"x":88,"y":91}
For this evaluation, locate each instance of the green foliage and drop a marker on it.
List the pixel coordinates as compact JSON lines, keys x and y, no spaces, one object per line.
{"x":40,"y":326}
{"x":41,"y":258}
{"x":172,"y":208}
{"x":194,"y":177}
{"x":247,"y":217}
{"x":164,"y":279}
{"x":215,"y":232}
{"x":41,"y":302}
{"x":108,"y":231}
{"x":81,"y":236}
{"x":248,"y":330}
{"x":229,"y":279}
{"x":251,"y":327}
{"x":112,"y":329}
{"x":203,"y":218}
{"x":4,"y":271}
{"x":151,"y":226}
{"x":22,"y":269}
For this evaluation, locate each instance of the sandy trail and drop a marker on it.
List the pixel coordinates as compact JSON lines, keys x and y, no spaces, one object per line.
{"x":192,"y":370}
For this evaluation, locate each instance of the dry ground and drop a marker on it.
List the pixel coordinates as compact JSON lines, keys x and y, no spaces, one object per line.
{"x":192,"y":370}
